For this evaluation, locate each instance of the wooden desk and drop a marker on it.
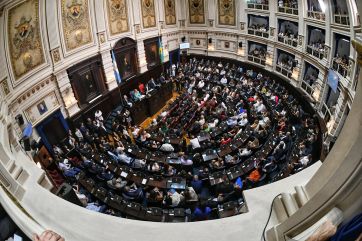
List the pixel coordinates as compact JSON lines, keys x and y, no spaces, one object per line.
{"x":151,"y":104}
{"x":139,"y":112}
{"x":224,"y":150}
{"x":217,"y":177}
{"x":234,"y":172}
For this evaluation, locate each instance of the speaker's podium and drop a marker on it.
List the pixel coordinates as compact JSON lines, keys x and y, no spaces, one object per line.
{"x":66,"y":192}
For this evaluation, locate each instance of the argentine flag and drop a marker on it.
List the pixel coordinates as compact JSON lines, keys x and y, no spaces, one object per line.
{"x":115,"y":69}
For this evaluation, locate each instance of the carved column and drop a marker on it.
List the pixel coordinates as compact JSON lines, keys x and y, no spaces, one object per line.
{"x":108,"y":69}
{"x":142,"y":61}
{"x":66,"y":91}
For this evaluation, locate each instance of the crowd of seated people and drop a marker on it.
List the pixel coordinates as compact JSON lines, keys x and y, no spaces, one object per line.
{"x":288,"y":35}
{"x":258,"y":53}
{"x":215,"y":140}
{"x":286,"y":63}
{"x":259,"y":27}
{"x":311,"y":78}
{"x":342,"y":61}
{"x":317,"y":45}
{"x":142,"y":90}
{"x":266,"y":2}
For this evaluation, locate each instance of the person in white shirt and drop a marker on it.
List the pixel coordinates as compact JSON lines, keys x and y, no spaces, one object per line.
{"x":195,"y":143}
{"x":124,"y":157}
{"x":202,"y":120}
{"x":78,"y":134}
{"x":173,"y":70}
{"x":213,"y":124}
{"x":98,"y":115}
{"x":245,"y":152}
{"x":257,"y":103}
{"x":223,"y":106}
{"x":304,"y":160}
{"x":176,"y":198}
{"x":201,"y":84}
{"x":244,"y":121}
{"x":65,"y":165}
{"x":167,"y":147}
{"x":265,"y":121}
{"x":281,"y":3}
{"x":261,"y":108}
{"x":135,"y":132}
{"x":207,"y":96}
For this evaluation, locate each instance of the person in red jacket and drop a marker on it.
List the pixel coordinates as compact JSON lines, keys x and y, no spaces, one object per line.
{"x":225,"y":140}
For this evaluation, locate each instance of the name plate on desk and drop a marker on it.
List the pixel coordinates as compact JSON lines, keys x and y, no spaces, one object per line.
{"x":144,"y":181}
{"x":124,"y":174}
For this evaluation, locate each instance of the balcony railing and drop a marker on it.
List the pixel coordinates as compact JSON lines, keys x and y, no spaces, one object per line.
{"x":288,"y":40}
{"x":307,"y":88}
{"x":288,"y":10}
{"x":259,"y":33}
{"x":316,"y":52}
{"x":284,"y":70}
{"x":256,"y":59}
{"x":258,"y":6}
{"x":317,"y":15}
{"x":341,"y":19}
{"x":325,"y":112}
{"x":342,"y":68}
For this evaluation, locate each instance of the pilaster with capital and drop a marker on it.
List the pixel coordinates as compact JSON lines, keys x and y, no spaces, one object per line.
{"x":108,"y":69}
{"x":67,"y":94}
{"x":141,"y":54}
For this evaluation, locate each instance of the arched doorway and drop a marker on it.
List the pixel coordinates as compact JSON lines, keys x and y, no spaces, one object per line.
{"x":125,"y":51}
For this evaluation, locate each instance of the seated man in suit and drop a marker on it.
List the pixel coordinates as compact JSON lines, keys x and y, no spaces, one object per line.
{"x":152,"y":84}
{"x":132,"y":192}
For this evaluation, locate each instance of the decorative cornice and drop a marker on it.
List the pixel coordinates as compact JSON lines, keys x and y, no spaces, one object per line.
{"x":358,"y":47}
{"x":36,"y":89}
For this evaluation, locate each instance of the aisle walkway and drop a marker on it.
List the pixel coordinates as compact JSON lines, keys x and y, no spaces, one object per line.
{"x":146,"y":123}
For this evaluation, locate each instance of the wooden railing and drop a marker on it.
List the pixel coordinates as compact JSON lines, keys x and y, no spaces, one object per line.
{"x":316,"y":52}
{"x":258,"y":6}
{"x":288,"y":10}
{"x":259,"y":33}
{"x":341,"y":19}
{"x":284,"y":70}
{"x":317,"y":15}
{"x":288,"y":40}
{"x":256,"y":59}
